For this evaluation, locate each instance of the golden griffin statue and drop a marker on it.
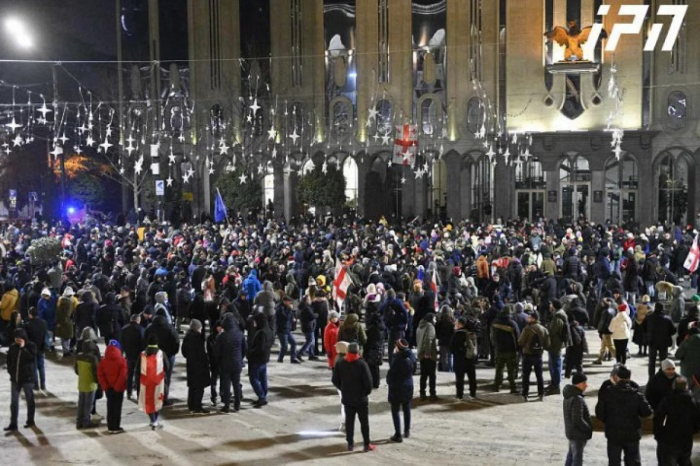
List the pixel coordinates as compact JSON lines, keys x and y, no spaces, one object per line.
{"x":572,"y":39}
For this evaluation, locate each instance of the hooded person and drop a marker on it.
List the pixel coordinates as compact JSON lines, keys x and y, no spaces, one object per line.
{"x":229,"y":348}
{"x":267,"y":299}
{"x":252,"y":285}
{"x":352,"y":377}
{"x":330,"y":337}
{"x":198,"y":376}
{"x":21,"y":358}
{"x":427,"y":355}
{"x":85,"y":366}
{"x":65,"y":311}
{"x":112,"y":374}
{"x":661,"y":384}
{"x":400,"y":382}
{"x":577,"y":419}
{"x":373,"y":350}
{"x":352,"y":331}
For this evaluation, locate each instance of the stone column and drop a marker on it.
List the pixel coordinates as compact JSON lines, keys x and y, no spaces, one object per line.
{"x":552,"y":209}
{"x":598,"y":209}
{"x":278,"y":174}
{"x":291,"y":206}
{"x":362,"y":170}
{"x":465,"y":190}
{"x":453,"y":186}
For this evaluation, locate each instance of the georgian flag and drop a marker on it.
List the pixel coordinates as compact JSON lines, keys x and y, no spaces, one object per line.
{"x":691,"y":262}
{"x":434,"y":288}
{"x":341,"y":283}
{"x":152,"y":380}
{"x":405,"y":145}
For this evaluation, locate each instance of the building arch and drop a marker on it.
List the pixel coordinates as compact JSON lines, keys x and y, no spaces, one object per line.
{"x":675,"y":181}
{"x":575,"y":186}
{"x":621,"y":186}
{"x":430,"y":114}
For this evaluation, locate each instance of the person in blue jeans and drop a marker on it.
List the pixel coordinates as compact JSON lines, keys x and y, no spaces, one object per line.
{"x":577,"y":419}
{"x":559,"y":337}
{"x":285,"y":318}
{"x":37,"y":332}
{"x":21,"y":359}
{"x":308,"y":328}
{"x":533,"y":339}
{"x":258,"y":357}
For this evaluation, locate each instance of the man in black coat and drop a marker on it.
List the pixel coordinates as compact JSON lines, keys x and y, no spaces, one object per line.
{"x":660,"y":331}
{"x":352,"y":377}
{"x":133,"y":342}
{"x":198,"y":377}
{"x":258,"y":357}
{"x":504,"y":336}
{"x":168,"y":343}
{"x":308,"y":328}
{"x":285,"y":318}
{"x":20,"y":365}
{"x":400,"y":382}
{"x":661,"y":385}
{"x":229,"y":348}
{"x":36,"y":333}
{"x":620,"y":408}
{"x":676,"y":420}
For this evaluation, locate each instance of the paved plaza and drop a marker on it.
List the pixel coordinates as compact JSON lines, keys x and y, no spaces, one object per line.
{"x":299,"y":426}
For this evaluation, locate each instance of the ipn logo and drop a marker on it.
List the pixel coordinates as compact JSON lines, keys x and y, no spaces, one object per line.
{"x":639,"y":12}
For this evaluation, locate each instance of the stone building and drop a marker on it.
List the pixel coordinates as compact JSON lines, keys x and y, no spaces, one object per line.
{"x":502,"y":133}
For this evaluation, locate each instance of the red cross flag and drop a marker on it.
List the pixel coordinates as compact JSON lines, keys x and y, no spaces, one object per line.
{"x":691,"y":262}
{"x":341,"y":283}
{"x":405,"y":145}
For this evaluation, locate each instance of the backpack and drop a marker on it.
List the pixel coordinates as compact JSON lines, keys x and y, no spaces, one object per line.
{"x":536,"y":346}
{"x":576,"y":339}
{"x":566,"y":337}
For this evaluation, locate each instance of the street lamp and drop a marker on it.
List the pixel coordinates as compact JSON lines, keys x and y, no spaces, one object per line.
{"x":19,"y":32}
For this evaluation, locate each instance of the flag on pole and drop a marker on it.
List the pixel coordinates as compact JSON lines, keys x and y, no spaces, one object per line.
{"x":405,"y":145}
{"x":220,"y":211}
{"x":341,"y":283}
{"x":691,"y":262}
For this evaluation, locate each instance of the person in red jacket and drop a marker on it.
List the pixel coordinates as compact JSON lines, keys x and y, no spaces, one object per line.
{"x":111,"y":373}
{"x":330,"y":337}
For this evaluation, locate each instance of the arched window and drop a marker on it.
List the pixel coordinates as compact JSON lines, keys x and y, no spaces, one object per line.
{"x":216,"y":117}
{"x":298,"y":114}
{"x":269,"y":185}
{"x":482,"y":190}
{"x":439,"y":186}
{"x":429,"y":116}
{"x":475,"y":115}
{"x":342,"y":116}
{"x":385,"y":117}
{"x":621,"y":183}
{"x":530,"y":185}
{"x":308,"y":166}
{"x":677,"y":110}
{"x":351,"y":174}
{"x":575,"y":182}
{"x":673,"y":188}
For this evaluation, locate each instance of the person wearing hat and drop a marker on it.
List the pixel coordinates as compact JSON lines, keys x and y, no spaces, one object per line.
{"x":577,"y":419}
{"x":661,"y":385}
{"x":352,"y":377}
{"x":560,"y":338}
{"x":65,"y":329}
{"x":21,"y":363}
{"x":47,"y":311}
{"x":692,"y":315}
{"x":427,"y":355}
{"x":660,"y":331}
{"x":464,"y":349}
{"x":400,"y":382}
{"x":198,"y":375}
{"x":330,"y":337}
{"x":676,"y":420}
{"x":640,"y":333}
{"x":111,"y":374}
{"x":37,"y":332}
{"x":621,"y":328}
{"x":621,"y":408}
{"x":689,"y":353}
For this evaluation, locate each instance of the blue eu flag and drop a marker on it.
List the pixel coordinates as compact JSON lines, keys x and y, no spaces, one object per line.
{"x":220,"y":212}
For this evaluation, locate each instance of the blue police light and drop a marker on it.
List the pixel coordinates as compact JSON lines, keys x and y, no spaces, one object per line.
{"x":71,"y":210}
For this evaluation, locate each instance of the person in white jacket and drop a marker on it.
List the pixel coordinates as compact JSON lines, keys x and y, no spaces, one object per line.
{"x":621,"y":328}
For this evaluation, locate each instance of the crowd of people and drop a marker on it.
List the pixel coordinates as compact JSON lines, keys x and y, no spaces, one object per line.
{"x":421,"y":298}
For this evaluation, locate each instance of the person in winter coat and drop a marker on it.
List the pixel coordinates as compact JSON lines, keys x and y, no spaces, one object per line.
{"x":661,"y":385}
{"x":352,"y":331}
{"x":320,"y":307}
{"x":533,"y":340}
{"x":577,"y":419}
{"x":37,"y":332}
{"x":21,"y":359}
{"x":427,"y":355}
{"x":607,"y":313}
{"x":400,"y":382}
{"x":676,"y":420}
{"x":86,"y":363}
{"x":86,"y":312}
{"x":9,"y":302}
{"x":47,"y":312}
{"x":559,"y":339}
{"x":660,"y":330}
{"x":152,"y":367}
{"x":444,"y":328}
{"x":65,"y":311}
{"x":621,"y":329}
{"x":111,"y":374}
{"x":678,"y":305}
{"x":504,"y":335}
{"x":640,"y":337}
{"x":463,"y":347}
{"x":286,"y":320}
{"x":213,"y":363}
{"x":110,"y":319}
{"x":308,"y":327}
{"x":169,"y":342}
{"x":373,"y":350}
{"x":352,"y":377}
{"x":229,"y":349}
{"x":396,"y":319}
{"x":198,"y":377}
{"x":259,"y":357}
{"x":330,"y":337}
{"x":574,"y":353}
{"x":689,"y":353}
{"x":621,"y":407}
{"x":133,"y":341}
{"x":268,"y":299}
{"x":252,"y":285}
